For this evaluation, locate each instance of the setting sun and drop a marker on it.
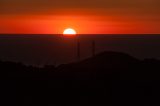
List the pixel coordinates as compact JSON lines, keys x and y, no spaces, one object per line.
{"x":69,"y":31}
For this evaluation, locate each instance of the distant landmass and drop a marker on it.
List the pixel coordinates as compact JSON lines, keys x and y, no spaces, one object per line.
{"x":110,"y":78}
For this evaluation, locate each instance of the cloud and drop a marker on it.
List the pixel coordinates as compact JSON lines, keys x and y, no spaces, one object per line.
{"x":43,"y":6}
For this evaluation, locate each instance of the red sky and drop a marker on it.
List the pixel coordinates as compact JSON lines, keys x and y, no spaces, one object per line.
{"x":89,"y":17}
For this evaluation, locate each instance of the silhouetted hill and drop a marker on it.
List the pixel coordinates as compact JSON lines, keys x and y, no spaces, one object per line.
{"x":102,"y":64}
{"x":109,"y":57}
{"x":107,"y":78}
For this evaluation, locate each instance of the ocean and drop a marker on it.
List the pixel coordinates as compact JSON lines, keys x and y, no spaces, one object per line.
{"x":57,"y":49}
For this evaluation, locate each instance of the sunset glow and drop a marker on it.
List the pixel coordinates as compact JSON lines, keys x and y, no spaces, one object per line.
{"x":92,"y":17}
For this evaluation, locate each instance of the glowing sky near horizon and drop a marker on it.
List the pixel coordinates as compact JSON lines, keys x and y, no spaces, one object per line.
{"x":86,"y":17}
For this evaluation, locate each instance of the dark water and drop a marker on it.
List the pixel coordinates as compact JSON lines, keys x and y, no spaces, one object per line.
{"x":57,"y":49}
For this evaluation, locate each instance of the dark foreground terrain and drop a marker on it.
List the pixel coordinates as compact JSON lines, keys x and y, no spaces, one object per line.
{"x":108,"y":78}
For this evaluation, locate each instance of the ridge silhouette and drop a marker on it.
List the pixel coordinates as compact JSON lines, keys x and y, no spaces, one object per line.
{"x":112,"y":78}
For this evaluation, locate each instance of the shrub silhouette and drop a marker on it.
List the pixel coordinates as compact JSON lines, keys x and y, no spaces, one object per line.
{"x":108,"y":78}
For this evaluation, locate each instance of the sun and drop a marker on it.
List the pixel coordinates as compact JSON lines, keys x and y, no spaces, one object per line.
{"x":69,"y":31}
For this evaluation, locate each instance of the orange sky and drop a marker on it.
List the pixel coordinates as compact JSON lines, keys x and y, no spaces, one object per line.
{"x":98,"y":17}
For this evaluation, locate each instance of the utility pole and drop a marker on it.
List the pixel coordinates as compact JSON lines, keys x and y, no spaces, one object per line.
{"x":93,"y":48}
{"x":78,"y":49}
